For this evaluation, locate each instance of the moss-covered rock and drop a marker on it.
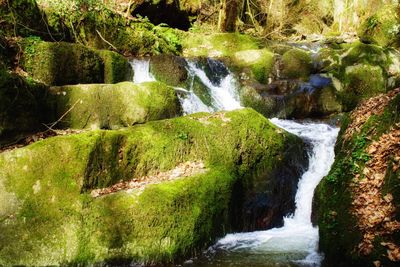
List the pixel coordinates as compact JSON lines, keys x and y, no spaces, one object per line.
{"x":49,"y":217}
{"x":382,"y":28}
{"x":217,"y":45}
{"x":65,"y":63}
{"x":116,"y":67}
{"x":362,"y":139}
{"x":296,"y":64}
{"x":111,"y":106}
{"x":361,"y":82}
{"x":21,"y":106}
{"x":258,"y":62}
{"x":169,"y":69}
{"x":61,"y":63}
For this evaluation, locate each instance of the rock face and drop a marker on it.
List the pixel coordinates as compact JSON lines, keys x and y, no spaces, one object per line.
{"x":65,"y":63}
{"x":357,"y":204}
{"x":50,"y":217}
{"x":112,"y":106}
{"x":169,"y":69}
{"x":21,"y":109}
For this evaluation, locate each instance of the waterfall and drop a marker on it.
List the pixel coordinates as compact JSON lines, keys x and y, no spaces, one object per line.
{"x":141,"y":69}
{"x":224,"y":94}
{"x":221,"y":88}
{"x":190,"y":102}
{"x":297,"y":240}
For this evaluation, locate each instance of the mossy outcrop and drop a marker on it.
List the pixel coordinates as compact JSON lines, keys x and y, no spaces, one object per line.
{"x":111,"y":106}
{"x":50,"y":218}
{"x":217,"y":45}
{"x":382,"y":28}
{"x":361,"y":82}
{"x":296,"y":64}
{"x":21,"y":109}
{"x":257,"y":63}
{"x":357,"y":204}
{"x":65,"y":63}
{"x":169,"y":69}
{"x":116,"y":67}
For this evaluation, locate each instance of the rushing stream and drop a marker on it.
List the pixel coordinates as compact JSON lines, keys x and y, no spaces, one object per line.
{"x":294,"y":244}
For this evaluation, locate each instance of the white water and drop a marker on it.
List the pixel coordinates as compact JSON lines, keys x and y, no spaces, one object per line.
{"x":190,"y":102}
{"x":224,"y":96}
{"x":297,"y":235}
{"x":141,"y":69}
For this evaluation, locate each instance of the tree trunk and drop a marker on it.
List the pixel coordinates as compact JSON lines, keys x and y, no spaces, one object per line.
{"x":228,"y":15}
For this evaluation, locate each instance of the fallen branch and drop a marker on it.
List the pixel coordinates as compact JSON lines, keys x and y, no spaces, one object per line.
{"x":116,"y":49}
{"x":50,"y":128}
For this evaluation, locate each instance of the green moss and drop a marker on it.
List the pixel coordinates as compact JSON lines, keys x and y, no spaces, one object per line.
{"x":297,"y":64}
{"x":382,"y":28}
{"x":169,"y":69}
{"x":249,"y":97}
{"x":339,"y":235}
{"x":109,"y":106}
{"x":116,"y":67}
{"x":21,"y":106}
{"x":217,"y":45}
{"x":61,"y":63}
{"x":260,"y":62}
{"x":361,"y":82}
{"x":50,"y":218}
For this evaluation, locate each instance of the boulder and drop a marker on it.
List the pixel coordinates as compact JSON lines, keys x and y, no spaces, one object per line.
{"x":296,"y":64}
{"x":52,"y":215}
{"x":169,"y":69}
{"x":65,"y":63}
{"x":257,"y":63}
{"x":112,"y":106}
{"x":356,"y":206}
{"x":360,"y":82}
{"x":382,"y":28}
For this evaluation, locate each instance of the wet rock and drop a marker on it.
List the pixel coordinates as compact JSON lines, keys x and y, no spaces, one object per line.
{"x":49,"y":213}
{"x":169,"y":69}
{"x":112,"y":106}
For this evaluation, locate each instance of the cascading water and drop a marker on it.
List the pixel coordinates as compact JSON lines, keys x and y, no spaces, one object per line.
{"x":141,"y":69}
{"x":296,"y":242}
{"x":223,"y":93}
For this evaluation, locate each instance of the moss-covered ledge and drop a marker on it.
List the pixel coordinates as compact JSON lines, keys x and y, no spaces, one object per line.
{"x":112,"y":106}
{"x":50,"y":218}
{"x":60,"y":63}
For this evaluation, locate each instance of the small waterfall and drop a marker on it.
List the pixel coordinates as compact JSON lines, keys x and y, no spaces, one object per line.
{"x":222,"y":87}
{"x":141,"y":69}
{"x":224,"y":95}
{"x":190,"y":102}
{"x":297,"y":240}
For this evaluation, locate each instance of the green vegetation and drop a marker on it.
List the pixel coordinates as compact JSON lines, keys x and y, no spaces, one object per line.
{"x":50,"y":218}
{"x":382,"y":28}
{"x":106,"y":106}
